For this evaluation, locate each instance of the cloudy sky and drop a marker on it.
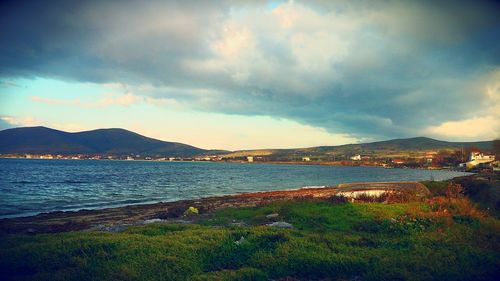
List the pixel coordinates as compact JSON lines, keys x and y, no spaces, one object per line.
{"x":254,"y":74}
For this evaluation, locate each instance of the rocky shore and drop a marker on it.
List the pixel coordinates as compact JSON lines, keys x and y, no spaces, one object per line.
{"x":115,"y":218}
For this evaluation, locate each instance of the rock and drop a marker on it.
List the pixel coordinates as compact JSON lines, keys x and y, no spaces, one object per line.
{"x":152,"y":221}
{"x":281,"y":224}
{"x":182,"y":221}
{"x":111,"y":228}
{"x":31,"y":231}
{"x":272,"y":216}
{"x":119,"y":228}
{"x":242,"y":239}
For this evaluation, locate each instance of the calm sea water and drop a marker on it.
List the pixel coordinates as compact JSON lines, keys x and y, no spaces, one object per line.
{"x":31,"y":186}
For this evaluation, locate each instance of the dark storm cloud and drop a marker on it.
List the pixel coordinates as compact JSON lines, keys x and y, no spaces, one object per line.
{"x":369,"y":68}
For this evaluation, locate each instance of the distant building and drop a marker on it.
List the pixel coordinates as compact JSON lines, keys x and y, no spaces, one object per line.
{"x":356,"y":157}
{"x":477,"y":158}
{"x":495,"y":165}
{"x":430,"y":153}
{"x":481,"y":157}
{"x":250,"y":159}
{"x":206,"y":158}
{"x":398,"y":161}
{"x":429,"y":156}
{"x":306,"y":159}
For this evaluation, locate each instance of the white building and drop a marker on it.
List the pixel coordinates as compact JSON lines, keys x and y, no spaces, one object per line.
{"x":477,"y":158}
{"x":306,"y":159}
{"x":250,"y":159}
{"x":481,"y":157}
{"x":356,"y":157}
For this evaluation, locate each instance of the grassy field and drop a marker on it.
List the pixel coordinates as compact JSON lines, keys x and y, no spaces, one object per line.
{"x":441,"y":239}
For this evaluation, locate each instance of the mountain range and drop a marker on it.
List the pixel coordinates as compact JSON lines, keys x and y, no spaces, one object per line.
{"x":42,"y":140}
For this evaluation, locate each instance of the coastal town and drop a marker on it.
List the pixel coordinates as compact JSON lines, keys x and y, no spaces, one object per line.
{"x":475,"y":160}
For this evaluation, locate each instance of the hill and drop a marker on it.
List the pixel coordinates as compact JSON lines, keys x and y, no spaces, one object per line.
{"x":41,"y":140}
{"x":395,"y":147}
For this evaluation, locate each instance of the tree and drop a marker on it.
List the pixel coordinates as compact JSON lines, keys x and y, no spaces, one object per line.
{"x":469,"y":149}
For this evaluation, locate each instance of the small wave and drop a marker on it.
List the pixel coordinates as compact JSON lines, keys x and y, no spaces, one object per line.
{"x":306,"y":187}
{"x":313,"y":186}
{"x":73,"y":181}
{"x":48,"y":182}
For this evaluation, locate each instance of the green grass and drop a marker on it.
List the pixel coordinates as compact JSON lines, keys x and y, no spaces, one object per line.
{"x":317,"y":216}
{"x":371,"y":241}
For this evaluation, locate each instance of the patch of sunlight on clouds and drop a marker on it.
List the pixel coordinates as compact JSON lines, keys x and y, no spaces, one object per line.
{"x":235,"y":132}
{"x":485,"y":128}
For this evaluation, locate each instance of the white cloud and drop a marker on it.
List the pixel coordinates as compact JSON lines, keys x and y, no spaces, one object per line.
{"x":52,"y":101}
{"x":28,"y":121}
{"x":118,"y":99}
{"x":20,"y":121}
{"x":107,"y":99}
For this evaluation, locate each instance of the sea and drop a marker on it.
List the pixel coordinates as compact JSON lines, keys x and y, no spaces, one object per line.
{"x":33,"y":186}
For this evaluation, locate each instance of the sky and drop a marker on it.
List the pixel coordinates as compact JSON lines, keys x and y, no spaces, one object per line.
{"x":254,"y":74}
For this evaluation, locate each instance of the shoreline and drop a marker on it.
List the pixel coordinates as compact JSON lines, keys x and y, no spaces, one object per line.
{"x":303,"y":163}
{"x":110,"y":218}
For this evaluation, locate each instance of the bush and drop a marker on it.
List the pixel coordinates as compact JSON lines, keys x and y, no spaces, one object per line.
{"x":467,"y":220}
{"x":372,"y":226}
{"x":191,"y":211}
{"x":437,"y":188}
{"x":338,"y":199}
{"x":363,"y":197}
{"x":454,"y":190}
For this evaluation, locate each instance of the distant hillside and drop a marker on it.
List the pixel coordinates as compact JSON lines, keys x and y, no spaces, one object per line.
{"x":411,"y":144}
{"x":403,"y":147}
{"x":40,"y":140}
